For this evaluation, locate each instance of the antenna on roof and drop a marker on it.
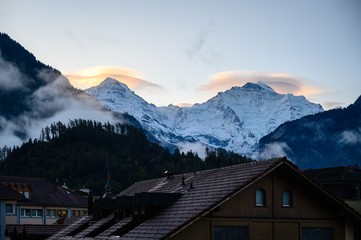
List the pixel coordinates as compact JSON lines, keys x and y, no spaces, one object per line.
{"x":108,"y":174}
{"x":108,"y":188}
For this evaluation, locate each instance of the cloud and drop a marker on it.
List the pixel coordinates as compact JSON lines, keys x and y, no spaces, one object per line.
{"x":351,"y":137}
{"x":331,"y":105}
{"x":89,"y":77}
{"x":10,"y":77}
{"x":202,"y":49}
{"x":280,"y":82}
{"x":274,"y":150}
{"x":195,"y":147}
{"x":55,"y":101}
{"x":183,"y":104}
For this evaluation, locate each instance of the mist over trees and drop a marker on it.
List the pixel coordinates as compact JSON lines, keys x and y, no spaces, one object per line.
{"x":80,"y":152}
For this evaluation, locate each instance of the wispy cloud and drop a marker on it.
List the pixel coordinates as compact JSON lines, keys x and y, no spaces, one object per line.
{"x":90,"y":77}
{"x":351,"y":137}
{"x":10,"y":77}
{"x":52,"y":102}
{"x":183,"y":104}
{"x":280,"y":82}
{"x":202,"y":49}
{"x":274,"y":150}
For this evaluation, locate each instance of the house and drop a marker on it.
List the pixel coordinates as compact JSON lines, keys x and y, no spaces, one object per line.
{"x":8,"y":198}
{"x":37,"y":201}
{"x":270,"y":199}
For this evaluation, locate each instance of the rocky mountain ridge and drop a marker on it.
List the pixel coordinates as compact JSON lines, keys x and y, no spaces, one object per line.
{"x":235,"y":119}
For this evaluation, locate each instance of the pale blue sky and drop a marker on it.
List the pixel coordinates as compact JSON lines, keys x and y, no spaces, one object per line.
{"x":186,"y":51}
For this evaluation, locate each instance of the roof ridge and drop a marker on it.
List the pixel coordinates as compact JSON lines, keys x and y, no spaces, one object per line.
{"x":235,"y":165}
{"x":23,"y":177}
{"x":220,"y":168}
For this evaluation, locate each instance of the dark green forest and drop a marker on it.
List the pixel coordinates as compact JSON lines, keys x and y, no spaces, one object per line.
{"x":80,"y":152}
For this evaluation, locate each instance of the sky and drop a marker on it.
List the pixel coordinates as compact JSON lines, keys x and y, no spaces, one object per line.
{"x":184,"y":52}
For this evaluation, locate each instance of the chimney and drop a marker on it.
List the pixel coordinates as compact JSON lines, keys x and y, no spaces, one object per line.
{"x":168,"y":174}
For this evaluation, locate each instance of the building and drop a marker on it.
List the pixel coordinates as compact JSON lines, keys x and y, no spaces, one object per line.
{"x":270,"y":199}
{"x":8,"y":198}
{"x":37,"y":201}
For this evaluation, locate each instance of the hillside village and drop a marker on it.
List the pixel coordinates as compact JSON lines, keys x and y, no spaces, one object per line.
{"x":271,"y":199}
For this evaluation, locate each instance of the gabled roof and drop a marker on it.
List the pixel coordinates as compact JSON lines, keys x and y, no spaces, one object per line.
{"x":45,"y":192}
{"x":204,"y":191}
{"x":209,"y":188}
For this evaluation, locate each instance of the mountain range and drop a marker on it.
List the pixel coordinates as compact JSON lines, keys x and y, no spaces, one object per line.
{"x":234,"y":120}
{"x":253,"y":120}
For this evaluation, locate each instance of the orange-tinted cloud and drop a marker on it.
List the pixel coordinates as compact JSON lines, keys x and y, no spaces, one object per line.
{"x":280,"y":82}
{"x":183,"y":104}
{"x":93,"y":76}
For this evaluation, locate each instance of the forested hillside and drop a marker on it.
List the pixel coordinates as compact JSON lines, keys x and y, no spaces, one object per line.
{"x":80,"y":152}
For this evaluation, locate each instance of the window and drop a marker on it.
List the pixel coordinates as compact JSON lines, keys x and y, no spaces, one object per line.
{"x":230,"y":233}
{"x":31,"y":213}
{"x":75,"y":213}
{"x":36,"y":212}
{"x":317,"y":233}
{"x":260,"y":197}
{"x":10,"y":209}
{"x":287,"y":198}
{"x":61,"y":212}
{"x":27,"y":195}
{"x":25,"y":212}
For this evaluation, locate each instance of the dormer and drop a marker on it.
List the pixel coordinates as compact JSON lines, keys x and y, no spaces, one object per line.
{"x":22,"y":188}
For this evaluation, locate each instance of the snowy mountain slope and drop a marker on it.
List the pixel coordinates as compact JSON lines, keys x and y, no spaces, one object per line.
{"x":235,"y":119}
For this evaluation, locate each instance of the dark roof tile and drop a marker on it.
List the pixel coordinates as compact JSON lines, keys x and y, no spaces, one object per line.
{"x":209,"y":188}
{"x":8,"y":193}
{"x":45,"y":192}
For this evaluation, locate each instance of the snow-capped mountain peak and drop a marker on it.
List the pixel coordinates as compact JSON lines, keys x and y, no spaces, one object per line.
{"x":235,"y":119}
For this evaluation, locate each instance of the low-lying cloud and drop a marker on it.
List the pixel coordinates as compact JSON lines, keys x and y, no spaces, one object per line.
{"x":10,"y":77}
{"x":55,"y":101}
{"x":351,"y":137}
{"x":280,"y":82}
{"x":274,"y":150}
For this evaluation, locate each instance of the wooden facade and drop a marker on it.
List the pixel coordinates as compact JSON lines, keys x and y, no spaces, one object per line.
{"x":309,"y":209}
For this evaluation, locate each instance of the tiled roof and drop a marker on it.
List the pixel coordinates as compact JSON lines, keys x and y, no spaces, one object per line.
{"x":114,"y":228}
{"x":45,"y":192}
{"x":68,"y":229}
{"x":94,"y":227}
{"x":201,"y":192}
{"x":33,"y":229}
{"x":8,"y":193}
{"x":209,"y":188}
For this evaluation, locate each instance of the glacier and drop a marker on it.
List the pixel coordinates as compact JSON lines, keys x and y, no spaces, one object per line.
{"x":235,"y":119}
